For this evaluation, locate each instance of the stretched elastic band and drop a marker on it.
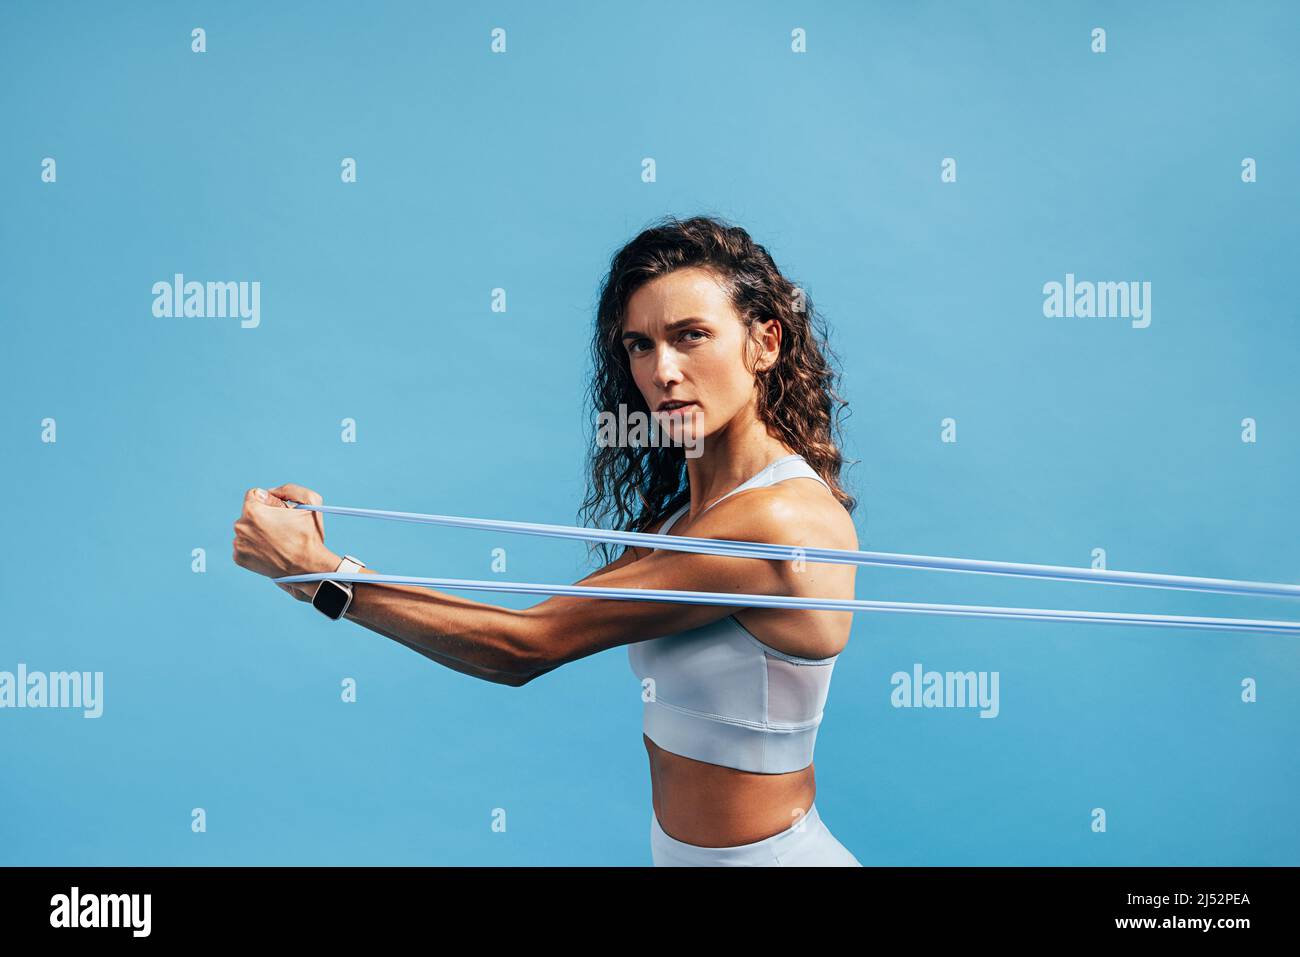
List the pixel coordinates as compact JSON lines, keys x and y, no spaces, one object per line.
{"x":728,"y":599}
{"x":834,"y":556}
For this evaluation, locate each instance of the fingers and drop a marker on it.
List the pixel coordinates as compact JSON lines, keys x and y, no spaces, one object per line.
{"x":281,"y":495}
{"x":298,"y":493}
{"x":253,"y":498}
{"x":261,"y":496}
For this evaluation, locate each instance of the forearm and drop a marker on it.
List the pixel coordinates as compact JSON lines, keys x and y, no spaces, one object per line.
{"x":483,"y":641}
{"x":464,"y":667}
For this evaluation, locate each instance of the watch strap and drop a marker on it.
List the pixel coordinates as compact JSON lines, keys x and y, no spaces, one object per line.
{"x":349,"y":564}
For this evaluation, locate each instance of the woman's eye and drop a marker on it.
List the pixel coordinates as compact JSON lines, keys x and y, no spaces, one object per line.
{"x":641,"y":345}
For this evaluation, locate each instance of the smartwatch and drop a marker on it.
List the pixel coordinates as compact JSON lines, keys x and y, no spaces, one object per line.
{"x":332,"y":599}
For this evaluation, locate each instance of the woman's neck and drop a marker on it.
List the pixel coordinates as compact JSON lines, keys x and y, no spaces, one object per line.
{"x":729,"y":461}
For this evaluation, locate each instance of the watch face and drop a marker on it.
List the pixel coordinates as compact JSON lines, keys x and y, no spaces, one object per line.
{"x":331,"y":598}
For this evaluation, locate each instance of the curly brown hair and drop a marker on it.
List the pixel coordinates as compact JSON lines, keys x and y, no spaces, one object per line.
{"x":797,"y":396}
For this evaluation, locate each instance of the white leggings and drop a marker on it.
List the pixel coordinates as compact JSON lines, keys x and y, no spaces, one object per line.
{"x":808,"y":844}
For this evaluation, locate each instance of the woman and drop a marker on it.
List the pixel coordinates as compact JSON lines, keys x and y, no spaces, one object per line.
{"x":698,"y":328}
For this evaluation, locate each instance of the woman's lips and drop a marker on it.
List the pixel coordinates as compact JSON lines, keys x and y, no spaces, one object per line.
{"x":679,"y":410}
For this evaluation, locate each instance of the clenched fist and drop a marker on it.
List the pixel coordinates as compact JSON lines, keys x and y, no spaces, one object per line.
{"x":273,"y":539}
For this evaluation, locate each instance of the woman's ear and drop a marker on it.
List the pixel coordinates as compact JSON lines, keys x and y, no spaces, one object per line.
{"x":769,"y":344}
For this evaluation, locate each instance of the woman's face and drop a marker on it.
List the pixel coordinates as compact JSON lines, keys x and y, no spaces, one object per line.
{"x":686,"y":349}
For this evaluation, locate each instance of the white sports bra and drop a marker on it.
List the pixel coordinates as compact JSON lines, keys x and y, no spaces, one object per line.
{"x":720,"y":695}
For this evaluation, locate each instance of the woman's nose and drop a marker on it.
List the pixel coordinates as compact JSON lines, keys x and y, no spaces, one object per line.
{"x":666,"y":370}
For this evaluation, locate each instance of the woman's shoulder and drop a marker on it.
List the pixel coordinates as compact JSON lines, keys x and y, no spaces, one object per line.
{"x":795,"y":512}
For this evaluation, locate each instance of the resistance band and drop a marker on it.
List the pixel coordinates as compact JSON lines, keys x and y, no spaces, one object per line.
{"x":832,"y":556}
{"x":738,"y":549}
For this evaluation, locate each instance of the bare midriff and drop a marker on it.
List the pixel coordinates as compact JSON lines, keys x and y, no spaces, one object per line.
{"x":712,"y":806}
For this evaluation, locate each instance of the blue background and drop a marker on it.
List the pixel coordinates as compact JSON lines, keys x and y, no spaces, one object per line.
{"x":522,"y":171}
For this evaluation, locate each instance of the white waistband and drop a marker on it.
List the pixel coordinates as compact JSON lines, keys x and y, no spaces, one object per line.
{"x":759,"y":852}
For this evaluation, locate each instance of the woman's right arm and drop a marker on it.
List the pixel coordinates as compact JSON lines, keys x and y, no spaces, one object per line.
{"x":513,"y":646}
{"x":302,"y":593}
{"x":630,"y":554}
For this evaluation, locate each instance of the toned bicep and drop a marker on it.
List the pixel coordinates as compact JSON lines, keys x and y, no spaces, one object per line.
{"x":567,"y":628}
{"x":629,"y":555}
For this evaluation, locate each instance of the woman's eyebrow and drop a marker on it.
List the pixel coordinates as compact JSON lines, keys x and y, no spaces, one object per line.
{"x":671,"y":327}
